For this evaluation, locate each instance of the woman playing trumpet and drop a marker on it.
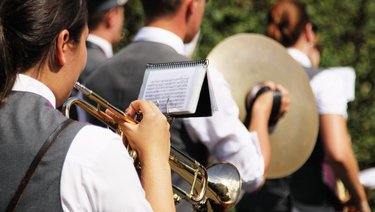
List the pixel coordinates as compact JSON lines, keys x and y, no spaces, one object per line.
{"x":48,"y":162}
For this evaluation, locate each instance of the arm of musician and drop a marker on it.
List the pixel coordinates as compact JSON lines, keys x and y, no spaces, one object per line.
{"x":99,"y":174}
{"x":333,"y":90}
{"x":260,"y":116}
{"x":341,"y":157}
{"x":259,"y":123}
{"x":226,"y":137}
{"x":151,"y":139}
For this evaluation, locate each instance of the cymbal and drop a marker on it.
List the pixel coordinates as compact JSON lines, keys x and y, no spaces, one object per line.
{"x":246,"y":59}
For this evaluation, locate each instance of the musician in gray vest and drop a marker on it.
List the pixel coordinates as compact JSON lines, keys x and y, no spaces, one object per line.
{"x":105,"y":21}
{"x":170,"y":24}
{"x":313,"y":186}
{"x":49,"y":162}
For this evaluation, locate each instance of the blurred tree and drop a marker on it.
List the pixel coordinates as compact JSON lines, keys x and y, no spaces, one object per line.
{"x":133,"y":21}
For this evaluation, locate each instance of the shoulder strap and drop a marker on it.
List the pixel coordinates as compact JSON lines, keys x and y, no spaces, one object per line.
{"x":34,"y":164}
{"x":312,"y":72}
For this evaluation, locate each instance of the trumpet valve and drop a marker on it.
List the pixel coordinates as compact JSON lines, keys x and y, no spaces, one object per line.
{"x":177,"y":199}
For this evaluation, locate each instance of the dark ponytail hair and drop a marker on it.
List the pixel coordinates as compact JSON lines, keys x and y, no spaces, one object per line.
{"x":286,"y":21}
{"x":29,"y":31}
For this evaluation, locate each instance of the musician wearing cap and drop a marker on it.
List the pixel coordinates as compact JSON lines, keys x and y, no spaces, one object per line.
{"x":105,"y":21}
{"x":49,"y":162}
{"x":312,"y":187}
{"x":170,"y":24}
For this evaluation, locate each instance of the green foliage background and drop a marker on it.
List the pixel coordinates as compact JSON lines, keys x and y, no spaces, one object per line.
{"x":347,"y":34}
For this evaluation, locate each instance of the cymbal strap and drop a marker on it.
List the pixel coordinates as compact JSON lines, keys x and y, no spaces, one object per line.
{"x":276,"y":104}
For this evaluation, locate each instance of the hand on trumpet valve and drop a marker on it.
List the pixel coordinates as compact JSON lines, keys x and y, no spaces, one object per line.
{"x":150,"y":137}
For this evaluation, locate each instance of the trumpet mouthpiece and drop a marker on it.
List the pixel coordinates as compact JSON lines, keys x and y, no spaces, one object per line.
{"x":81,"y":88}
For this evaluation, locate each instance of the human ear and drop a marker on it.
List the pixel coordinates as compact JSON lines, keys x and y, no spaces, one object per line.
{"x":191,"y":7}
{"x":110,"y":16}
{"x":62,"y":46}
{"x":309,"y":33}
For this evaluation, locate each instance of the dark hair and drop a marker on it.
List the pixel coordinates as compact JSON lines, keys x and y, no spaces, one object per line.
{"x":95,"y":16}
{"x":29,"y":31}
{"x":286,"y":21}
{"x":157,"y":8}
{"x":94,"y":19}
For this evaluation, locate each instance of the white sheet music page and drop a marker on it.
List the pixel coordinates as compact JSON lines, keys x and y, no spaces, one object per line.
{"x":174,"y":87}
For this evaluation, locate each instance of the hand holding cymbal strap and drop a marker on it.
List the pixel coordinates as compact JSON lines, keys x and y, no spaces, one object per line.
{"x":252,"y":96}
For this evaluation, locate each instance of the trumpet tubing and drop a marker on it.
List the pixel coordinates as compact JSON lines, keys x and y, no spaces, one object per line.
{"x":220,"y":184}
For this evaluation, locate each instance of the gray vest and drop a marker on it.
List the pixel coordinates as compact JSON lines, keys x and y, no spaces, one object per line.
{"x":26,"y":121}
{"x":95,"y":57}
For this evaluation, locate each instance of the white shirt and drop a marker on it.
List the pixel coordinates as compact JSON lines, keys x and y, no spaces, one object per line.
{"x":333,"y":88}
{"x":98,"y":174}
{"x":226,"y":138}
{"x":102,"y":43}
{"x":300,"y":57}
{"x":367,"y":178}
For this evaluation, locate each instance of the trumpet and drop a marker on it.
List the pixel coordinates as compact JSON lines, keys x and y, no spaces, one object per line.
{"x":219,"y":185}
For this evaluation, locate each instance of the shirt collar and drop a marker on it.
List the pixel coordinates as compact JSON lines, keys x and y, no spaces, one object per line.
{"x":102,"y":43}
{"x":300,"y":57}
{"x":159,"y":35}
{"x":25,"y":83}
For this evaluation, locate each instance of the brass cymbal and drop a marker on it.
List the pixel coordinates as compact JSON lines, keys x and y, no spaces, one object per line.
{"x":246,"y":59}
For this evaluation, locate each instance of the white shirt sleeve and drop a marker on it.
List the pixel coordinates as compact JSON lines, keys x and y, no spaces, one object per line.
{"x":99,"y":175}
{"x":367,"y":178}
{"x":333,"y":89}
{"x":226,"y":137}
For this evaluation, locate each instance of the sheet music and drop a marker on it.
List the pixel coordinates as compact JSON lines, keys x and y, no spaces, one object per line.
{"x":174,"y":87}
{"x":169,"y":88}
